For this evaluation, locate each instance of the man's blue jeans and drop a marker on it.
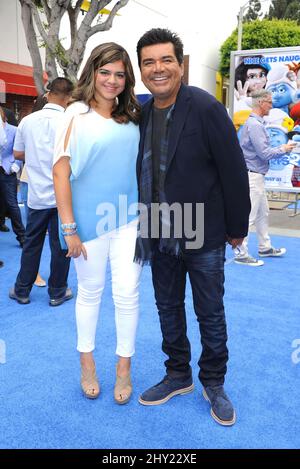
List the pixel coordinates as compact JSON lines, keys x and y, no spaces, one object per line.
{"x":37,"y":224}
{"x":206,"y":273}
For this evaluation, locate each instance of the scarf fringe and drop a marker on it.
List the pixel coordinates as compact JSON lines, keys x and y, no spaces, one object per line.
{"x":142,"y":262}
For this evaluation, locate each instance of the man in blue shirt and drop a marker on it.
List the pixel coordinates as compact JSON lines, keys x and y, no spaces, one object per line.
{"x":258,"y":151}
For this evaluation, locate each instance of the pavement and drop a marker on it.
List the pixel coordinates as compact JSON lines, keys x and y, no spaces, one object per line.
{"x":283,"y":224}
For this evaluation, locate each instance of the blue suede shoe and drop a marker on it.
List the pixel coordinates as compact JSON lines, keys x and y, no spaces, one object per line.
{"x":163,"y":391}
{"x":222,"y":410}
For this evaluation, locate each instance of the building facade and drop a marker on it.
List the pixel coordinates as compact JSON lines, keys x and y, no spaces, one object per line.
{"x":201,"y":28}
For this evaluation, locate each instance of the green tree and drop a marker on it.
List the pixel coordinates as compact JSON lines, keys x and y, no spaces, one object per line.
{"x":284,"y":9}
{"x":293,"y":11}
{"x":42,"y":20}
{"x":260,"y":34}
{"x":254,"y":11}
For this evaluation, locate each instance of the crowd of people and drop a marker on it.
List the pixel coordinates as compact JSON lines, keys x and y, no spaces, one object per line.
{"x":165,"y":185}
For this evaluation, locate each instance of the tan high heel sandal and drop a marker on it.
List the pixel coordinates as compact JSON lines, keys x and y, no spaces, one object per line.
{"x":89,"y":383}
{"x":39,"y":281}
{"x":123,"y":388}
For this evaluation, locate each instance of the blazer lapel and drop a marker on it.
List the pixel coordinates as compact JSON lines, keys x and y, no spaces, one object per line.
{"x":181,"y":110}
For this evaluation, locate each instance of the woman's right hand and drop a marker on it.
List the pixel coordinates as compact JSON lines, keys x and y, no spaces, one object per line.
{"x":75,"y":247}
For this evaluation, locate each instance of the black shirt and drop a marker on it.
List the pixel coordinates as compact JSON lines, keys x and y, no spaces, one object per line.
{"x":159,"y":128}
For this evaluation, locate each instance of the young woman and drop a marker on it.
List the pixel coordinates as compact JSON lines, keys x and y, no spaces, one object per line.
{"x":94,"y":164}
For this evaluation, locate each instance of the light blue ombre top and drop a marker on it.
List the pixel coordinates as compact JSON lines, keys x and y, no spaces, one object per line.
{"x":103,"y":170}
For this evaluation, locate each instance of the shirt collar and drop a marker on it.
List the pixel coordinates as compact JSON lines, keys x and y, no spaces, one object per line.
{"x":256,"y":116}
{"x":55,"y":107}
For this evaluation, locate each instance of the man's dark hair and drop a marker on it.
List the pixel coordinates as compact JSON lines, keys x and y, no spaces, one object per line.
{"x":10,"y":117}
{"x":61,"y":86}
{"x":160,"y":36}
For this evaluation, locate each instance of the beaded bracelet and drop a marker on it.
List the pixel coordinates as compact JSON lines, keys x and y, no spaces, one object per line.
{"x":71,"y":226}
{"x":69,"y":233}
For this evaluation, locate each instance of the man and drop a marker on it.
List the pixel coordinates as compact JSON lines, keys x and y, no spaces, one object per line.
{"x":257,"y":151}
{"x":35,"y":143}
{"x":3,"y":141}
{"x":9,"y":182}
{"x":189,"y":154}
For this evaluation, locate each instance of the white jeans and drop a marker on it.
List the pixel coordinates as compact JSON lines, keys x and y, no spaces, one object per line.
{"x":258,"y":216}
{"x":118,"y":246}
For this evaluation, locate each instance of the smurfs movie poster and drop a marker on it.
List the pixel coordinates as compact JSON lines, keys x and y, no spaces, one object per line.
{"x":276,"y":70}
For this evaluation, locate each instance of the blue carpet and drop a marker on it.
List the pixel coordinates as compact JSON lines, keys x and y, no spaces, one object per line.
{"x":41,"y":401}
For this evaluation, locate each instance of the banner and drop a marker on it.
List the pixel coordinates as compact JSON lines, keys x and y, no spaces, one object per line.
{"x":276,"y":70}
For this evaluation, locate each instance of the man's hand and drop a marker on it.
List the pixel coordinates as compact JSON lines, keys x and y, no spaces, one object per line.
{"x":15,"y":168}
{"x":288,"y":147}
{"x":234,"y":242}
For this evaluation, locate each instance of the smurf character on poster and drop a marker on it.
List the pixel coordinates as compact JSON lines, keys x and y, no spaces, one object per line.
{"x":282,"y":82}
{"x":278,"y":126}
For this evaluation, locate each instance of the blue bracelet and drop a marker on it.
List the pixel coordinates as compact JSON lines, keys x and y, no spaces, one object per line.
{"x":69,"y":233}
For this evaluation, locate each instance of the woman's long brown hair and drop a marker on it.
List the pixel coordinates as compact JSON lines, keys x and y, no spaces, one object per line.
{"x":127,"y":108}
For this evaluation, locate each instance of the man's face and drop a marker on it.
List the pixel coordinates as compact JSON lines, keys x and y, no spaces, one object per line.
{"x":257,"y":78}
{"x":266,"y":106}
{"x":161,"y":73}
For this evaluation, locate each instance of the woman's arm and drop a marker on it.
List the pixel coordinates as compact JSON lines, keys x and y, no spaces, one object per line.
{"x":63,"y":194}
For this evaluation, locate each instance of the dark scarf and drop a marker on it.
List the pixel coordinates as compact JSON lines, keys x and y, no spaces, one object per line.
{"x":144,"y":243}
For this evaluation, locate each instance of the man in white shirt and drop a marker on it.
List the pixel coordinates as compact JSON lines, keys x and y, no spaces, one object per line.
{"x":34,"y":142}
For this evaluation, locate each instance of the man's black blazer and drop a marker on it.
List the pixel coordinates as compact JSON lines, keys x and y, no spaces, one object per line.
{"x":205,"y":164}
